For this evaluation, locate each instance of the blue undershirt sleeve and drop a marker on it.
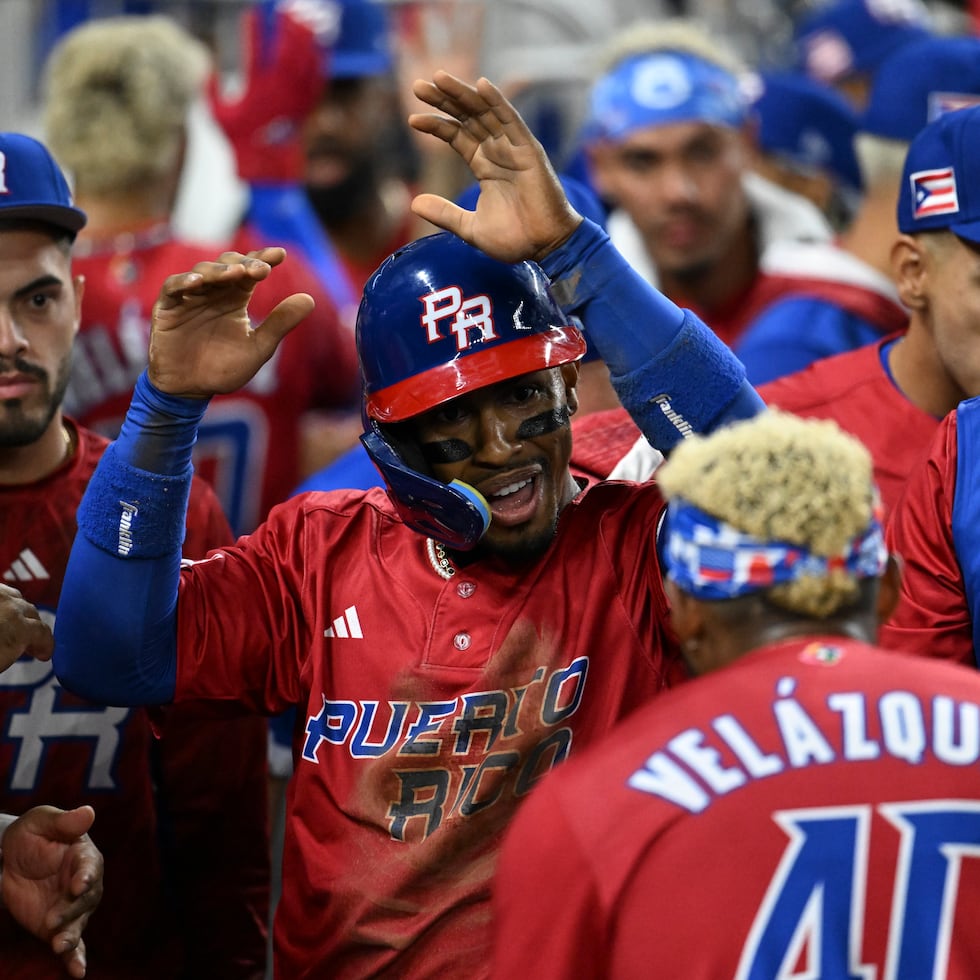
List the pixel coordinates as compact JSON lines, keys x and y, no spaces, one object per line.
{"x":673,"y":374}
{"x":115,"y":630}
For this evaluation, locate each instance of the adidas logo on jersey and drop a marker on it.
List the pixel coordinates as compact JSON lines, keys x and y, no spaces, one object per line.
{"x":26,"y":568}
{"x":347,"y":626}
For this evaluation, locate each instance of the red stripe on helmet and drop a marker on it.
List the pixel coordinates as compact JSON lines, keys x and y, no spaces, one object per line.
{"x":439,"y":384}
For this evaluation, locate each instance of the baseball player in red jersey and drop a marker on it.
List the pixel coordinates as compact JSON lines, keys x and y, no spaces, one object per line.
{"x":136,"y":75}
{"x":452,"y":639}
{"x":808,"y":805}
{"x":892,"y":394}
{"x":189,"y":885}
{"x":249,"y":447}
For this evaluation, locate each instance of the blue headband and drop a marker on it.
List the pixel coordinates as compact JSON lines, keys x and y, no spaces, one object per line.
{"x":712,"y":560}
{"x":663,"y":87}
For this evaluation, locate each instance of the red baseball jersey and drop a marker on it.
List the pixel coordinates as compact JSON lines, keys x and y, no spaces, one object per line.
{"x":812,"y":809}
{"x":180,"y":820}
{"x":933,"y":614}
{"x":248,"y":446}
{"x":428,"y":707}
{"x":855,"y":391}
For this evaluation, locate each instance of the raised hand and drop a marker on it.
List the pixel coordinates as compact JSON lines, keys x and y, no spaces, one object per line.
{"x":202,"y":342}
{"x":522,"y":211}
{"x":52,"y":878}
{"x":21,"y":629}
{"x":285,"y":67}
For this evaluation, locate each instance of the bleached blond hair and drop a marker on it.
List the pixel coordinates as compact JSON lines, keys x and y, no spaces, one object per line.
{"x":783,"y":478}
{"x":116,"y":92}
{"x":673,"y":34}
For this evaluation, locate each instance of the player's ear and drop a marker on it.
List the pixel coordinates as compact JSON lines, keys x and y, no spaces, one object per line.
{"x":909,"y":264}
{"x":569,"y":376}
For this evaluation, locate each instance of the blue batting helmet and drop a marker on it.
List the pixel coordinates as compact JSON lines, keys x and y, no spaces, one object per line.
{"x":438,"y":319}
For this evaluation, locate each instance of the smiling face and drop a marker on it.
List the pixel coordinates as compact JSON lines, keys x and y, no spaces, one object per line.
{"x":39,"y":315}
{"x":512,"y":442}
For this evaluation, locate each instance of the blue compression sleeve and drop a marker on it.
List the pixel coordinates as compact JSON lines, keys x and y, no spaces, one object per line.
{"x":672,"y":374}
{"x":115,"y":631}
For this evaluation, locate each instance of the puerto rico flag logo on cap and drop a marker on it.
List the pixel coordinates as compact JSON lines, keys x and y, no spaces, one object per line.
{"x":934,"y":193}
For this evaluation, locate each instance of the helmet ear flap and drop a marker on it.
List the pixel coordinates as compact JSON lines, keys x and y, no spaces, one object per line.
{"x":455,"y":514}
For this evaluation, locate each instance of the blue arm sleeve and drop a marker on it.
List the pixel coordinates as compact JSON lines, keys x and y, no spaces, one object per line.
{"x":672,"y":374}
{"x":115,"y":630}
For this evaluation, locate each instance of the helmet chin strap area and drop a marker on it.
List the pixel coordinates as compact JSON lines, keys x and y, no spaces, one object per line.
{"x":455,"y":514}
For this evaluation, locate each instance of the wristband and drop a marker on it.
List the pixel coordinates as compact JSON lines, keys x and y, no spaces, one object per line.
{"x":132,"y":513}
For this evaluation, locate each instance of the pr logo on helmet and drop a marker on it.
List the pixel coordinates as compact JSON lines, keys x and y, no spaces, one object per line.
{"x":475,"y":313}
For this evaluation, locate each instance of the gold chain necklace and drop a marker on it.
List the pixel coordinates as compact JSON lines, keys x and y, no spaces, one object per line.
{"x":439,"y":560}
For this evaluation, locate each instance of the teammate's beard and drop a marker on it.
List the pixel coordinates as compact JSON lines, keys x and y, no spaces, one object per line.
{"x":337,"y":203}
{"x":18,"y":427}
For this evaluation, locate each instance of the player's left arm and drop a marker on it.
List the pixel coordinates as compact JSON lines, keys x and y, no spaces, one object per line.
{"x":670,"y":371}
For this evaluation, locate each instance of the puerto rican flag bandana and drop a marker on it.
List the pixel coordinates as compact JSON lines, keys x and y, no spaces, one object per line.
{"x":934,"y":193}
{"x":710,"y":559}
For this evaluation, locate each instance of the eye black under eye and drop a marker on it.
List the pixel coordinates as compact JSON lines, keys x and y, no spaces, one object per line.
{"x":446,"y":451}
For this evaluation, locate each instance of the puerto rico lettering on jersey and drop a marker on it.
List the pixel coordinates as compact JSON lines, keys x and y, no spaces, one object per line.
{"x":457,"y":756}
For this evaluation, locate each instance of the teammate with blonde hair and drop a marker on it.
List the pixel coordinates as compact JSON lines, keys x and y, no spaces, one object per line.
{"x":118,"y":94}
{"x":810,"y":796}
{"x":119,"y":100}
{"x":779,"y":480}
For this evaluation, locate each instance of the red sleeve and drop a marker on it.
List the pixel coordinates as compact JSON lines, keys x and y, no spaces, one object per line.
{"x":547,"y":914}
{"x":932,"y":617}
{"x":211,"y":787}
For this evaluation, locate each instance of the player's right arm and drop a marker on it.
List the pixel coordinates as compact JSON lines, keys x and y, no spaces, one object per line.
{"x":115,"y":638}
{"x":671,"y":372}
{"x":933,"y":614}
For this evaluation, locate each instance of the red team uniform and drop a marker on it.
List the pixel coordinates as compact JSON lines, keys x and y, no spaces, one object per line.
{"x":809,"y":810}
{"x":179,"y":820}
{"x":934,"y":614}
{"x":252,"y":431}
{"x":855,"y":391}
{"x":490,"y":679}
